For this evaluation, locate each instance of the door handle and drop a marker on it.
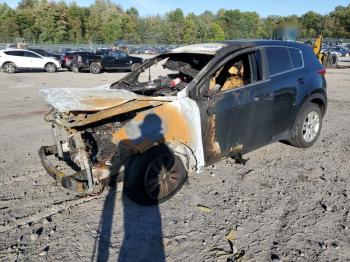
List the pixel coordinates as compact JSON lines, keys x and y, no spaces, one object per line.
{"x":264,"y":97}
{"x":301,"y":80}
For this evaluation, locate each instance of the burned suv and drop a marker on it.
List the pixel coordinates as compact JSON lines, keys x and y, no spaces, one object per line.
{"x":182,"y":111}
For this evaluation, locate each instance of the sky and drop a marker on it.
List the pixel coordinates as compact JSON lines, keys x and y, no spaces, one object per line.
{"x":262,"y":7}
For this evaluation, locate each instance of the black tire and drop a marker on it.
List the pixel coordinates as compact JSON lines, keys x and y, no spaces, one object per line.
{"x":50,"y":68}
{"x":154,"y":176}
{"x":75,"y":68}
{"x":95,"y":68}
{"x":300,"y":137}
{"x":135,"y":66}
{"x":332,"y":60}
{"x":9,"y":68}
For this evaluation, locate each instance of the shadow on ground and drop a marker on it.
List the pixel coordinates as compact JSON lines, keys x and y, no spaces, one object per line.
{"x":143,"y":239}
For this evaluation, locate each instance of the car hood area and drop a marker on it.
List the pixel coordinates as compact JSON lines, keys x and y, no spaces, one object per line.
{"x":93,"y":99}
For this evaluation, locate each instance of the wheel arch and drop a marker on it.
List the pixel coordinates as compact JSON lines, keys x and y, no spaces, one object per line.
{"x":49,"y":62}
{"x":7,"y":62}
{"x":317,"y":98}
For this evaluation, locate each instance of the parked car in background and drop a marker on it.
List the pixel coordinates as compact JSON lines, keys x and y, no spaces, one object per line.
{"x":45,"y":53}
{"x":95,"y":63}
{"x":342,"y":51}
{"x":67,"y":58}
{"x":12,"y":60}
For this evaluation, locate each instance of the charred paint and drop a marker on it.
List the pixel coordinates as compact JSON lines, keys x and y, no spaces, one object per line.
{"x":103,"y":102}
{"x":164,"y":123}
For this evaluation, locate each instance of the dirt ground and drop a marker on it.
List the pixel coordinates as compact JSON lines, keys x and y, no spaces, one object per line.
{"x":285,"y":204}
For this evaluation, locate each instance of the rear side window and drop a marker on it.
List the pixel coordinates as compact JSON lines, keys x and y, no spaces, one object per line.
{"x":14,"y":53}
{"x":278,"y":60}
{"x":296,"y":56}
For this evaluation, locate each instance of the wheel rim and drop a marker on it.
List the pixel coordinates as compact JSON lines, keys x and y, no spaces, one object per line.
{"x":311,"y":126}
{"x":94,"y":69}
{"x":163,"y":176}
{"x":9,"y":68}
{"x":50,"y":68}
{"x":75,"y":69}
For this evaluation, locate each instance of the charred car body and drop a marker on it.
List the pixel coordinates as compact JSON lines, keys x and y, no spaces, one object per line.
{"x":212,"y":101}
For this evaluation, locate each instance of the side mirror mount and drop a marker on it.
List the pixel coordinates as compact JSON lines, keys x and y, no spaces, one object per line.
{"x":217,"y":88}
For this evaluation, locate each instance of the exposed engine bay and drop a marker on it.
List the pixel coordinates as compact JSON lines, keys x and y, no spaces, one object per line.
{"x":179,"y":71}
{"x":98,"y":129}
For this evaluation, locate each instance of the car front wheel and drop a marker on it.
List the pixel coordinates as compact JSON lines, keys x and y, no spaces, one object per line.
{"x":154,"y":176}
{"x":95,"y":68}
{"x":9,"y":68}
{"x":308,"y":126}
{"x":50,"y":68}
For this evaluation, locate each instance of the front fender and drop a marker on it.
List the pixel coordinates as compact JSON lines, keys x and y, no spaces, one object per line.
{"x":173,"y":122}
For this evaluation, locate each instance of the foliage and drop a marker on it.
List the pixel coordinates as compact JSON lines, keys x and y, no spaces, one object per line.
{"x":105,"y":22}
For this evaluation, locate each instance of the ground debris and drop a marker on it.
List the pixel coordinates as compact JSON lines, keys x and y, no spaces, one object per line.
{"x":204,"y":208}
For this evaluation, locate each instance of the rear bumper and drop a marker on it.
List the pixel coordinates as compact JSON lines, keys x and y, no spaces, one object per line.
{"x":75,"y":182}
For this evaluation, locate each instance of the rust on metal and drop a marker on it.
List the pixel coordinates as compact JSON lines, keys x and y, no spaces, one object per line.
{"x":212,"y":144}
{"x":174,"y":127}
{"x":69,"y":182}
{"x":110,"y":112}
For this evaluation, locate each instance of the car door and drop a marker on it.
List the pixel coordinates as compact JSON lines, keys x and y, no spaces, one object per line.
{"x":18,"y":58}
{"x":230,"y":120}
{"x":254,"y":106}
{"x":34,"y":60}
{"x":286,"y":78}
{"x":122,"y":59}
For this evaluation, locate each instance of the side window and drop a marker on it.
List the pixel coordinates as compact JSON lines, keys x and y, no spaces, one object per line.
{"x":122,"y":55}
{"x":30,"y":54}
{"x":235,"y":73}
{"x":278,"y":60}
{"x":14,"y":53}
{"x":296,"y":56}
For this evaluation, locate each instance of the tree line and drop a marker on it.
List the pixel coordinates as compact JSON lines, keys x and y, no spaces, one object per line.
{"x":43,"y":21}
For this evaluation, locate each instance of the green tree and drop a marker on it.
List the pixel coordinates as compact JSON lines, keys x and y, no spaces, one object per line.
{"x":51,"y":22}
{"x":189,"y":34}
{"x":216,"y":33}
{"x":8,"y":24}
{"x":175,"y":26}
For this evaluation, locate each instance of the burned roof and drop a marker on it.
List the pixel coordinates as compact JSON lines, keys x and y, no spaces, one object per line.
{"x":214,"y":48}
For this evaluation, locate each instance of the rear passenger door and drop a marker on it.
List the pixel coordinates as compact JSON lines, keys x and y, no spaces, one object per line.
{"x":17,"y":58}
{"x":287,"y":82}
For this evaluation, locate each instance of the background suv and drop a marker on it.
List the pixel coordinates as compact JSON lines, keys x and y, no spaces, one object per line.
{"x":15,"y":59}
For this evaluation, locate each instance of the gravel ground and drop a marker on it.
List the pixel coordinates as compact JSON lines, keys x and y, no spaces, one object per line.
{"x":285,"y":204}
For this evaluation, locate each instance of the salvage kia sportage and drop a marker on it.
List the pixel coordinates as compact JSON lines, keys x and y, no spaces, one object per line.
{"x":182,"y":111}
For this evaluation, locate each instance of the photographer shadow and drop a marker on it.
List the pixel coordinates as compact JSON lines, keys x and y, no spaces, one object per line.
{"x":143,"y":237}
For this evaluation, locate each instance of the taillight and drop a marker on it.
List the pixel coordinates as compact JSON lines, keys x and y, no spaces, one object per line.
{"x":323,"y":71}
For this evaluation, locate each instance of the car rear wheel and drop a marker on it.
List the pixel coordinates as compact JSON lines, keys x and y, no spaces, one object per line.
{"x":9,"y":68}
{"x":75,"y":68}
{"x":308,"y":126}
{"x":50,"y":68}
{"x":95,"y":68}
{"x":154,"y":176}
{"x":135,"y":66}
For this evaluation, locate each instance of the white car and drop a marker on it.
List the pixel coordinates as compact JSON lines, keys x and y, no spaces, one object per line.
{"x":13,"y":59}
